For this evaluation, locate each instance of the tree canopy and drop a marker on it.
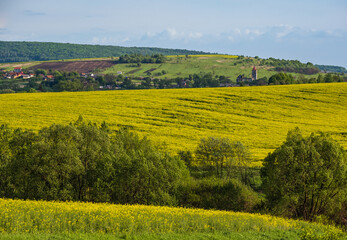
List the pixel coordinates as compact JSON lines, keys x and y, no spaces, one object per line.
{"x":42,"y":51}
{"x":85,"y":162}
{"x":306,"y":176}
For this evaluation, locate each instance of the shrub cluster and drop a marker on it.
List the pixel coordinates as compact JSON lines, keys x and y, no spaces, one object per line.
{"x":86,"y":162}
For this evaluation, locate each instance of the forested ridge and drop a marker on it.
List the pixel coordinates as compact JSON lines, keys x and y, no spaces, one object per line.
{"x":43,"y":51}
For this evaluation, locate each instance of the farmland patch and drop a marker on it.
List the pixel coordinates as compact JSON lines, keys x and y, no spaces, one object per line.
{"x":78,"y":66}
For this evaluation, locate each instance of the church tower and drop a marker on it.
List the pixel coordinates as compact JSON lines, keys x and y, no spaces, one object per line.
{"x":254,"y":73}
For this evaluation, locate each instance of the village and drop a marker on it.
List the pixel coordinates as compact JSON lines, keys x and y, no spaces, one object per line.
{"x":24,"y":80}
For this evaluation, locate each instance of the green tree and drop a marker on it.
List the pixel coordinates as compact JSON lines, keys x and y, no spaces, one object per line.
{"x":20,"y":166}
{"x":32,"y":90}
{"x":40,"y":71}
{"x":6,"y":134}
{"x":214,"y":152}
{"x":305,"y":177}
{"x":241,"y":159}
{"x":143,"y":174}
{"x":127,"y":83}
{"x":94,"y":150}
{"x":54,"y":159}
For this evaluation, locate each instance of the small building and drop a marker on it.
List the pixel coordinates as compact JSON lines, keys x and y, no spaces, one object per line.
{"x":17,"y":69}
{"x":254,"y":73}
{"x":242,"y":79}
{"x":26,"y":76}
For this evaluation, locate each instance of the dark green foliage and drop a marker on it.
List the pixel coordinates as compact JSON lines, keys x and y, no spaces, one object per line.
{"x":292,"y":66}
{"x":142,"y":173}
{"x":222,"y":156}
{"x":330,"y":68}
{"x":43,"y":51}
{"x":215,"y":153}
{"x":205,"y":80}
{"x":306,"y":177}
{"x":219,"y":194}
{"x":139,"y":58}
{"x":83,"y":161}
{"x":281,"y":78}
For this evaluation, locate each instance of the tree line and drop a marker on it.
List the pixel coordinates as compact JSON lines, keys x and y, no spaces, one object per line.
{"x":139,"y":58}
{"x":331,"y":68}
{"x":43,"y":51}
{"x":305,"y":178}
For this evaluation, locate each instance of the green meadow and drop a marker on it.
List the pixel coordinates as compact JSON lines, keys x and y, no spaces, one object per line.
{"x":180,"y":66}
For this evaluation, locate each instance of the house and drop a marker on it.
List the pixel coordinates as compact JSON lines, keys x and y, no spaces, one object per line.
{"x":242,"y":79}
{"x":26,"y":76}
{"x":85,"y":75}
{"x":17,"y":69}
{"x":15,"y":75}
{"x":119,"y":72}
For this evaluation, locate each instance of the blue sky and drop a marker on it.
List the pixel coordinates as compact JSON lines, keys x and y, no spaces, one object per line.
{"x":307,"y":30}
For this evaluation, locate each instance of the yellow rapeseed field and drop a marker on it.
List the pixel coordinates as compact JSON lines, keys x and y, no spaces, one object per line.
{"x":260,"y":117}
{"x":72,"y":217}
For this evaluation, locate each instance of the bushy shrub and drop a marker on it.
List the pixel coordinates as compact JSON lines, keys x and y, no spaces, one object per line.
{"x":215,"y":193}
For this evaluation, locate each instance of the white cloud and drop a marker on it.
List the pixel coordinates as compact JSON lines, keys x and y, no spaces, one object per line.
{"x":195,"y":35}
{"x":110,"y":40}
{"x":172,"y":32}
{"x":283,"y":30}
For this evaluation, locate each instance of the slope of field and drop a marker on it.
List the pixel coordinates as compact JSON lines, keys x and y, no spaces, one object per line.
{"x":260,"y":117}
{"x":17,"y":216}
{"x":180,"y":66}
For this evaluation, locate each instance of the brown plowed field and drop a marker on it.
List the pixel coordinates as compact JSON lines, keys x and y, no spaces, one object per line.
{"x":78,"y":66}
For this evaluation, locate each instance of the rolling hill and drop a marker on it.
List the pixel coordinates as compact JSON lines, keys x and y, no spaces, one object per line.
{"x":260,"y":117}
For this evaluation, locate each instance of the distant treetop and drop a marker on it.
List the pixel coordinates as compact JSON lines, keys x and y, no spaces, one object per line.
{"x":43,"y":51}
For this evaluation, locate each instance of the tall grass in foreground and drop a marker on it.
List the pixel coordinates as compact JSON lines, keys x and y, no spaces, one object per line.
{"x":18,"y":216}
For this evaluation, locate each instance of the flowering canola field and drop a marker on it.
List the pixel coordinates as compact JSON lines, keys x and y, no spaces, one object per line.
{"x":18,"y":216}
{"x":260,"y":117}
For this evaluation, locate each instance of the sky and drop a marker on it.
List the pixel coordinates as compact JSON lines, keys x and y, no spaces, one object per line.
{"x":306,"y":30}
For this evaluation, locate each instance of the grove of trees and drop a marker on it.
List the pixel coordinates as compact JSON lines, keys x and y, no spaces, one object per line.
{"x":139,"y":58}
{"x":305,"y":178}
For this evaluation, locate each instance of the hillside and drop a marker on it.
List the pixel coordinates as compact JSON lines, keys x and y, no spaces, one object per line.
{"x":260,"y":117}
{"x":33,"y":219}
{"x":157,"y":72}
{"x":221,"y":65}
{"x":43,"y":51}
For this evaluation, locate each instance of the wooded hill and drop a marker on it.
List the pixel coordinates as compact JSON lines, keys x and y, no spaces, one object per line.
{"x":43,"y":51}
